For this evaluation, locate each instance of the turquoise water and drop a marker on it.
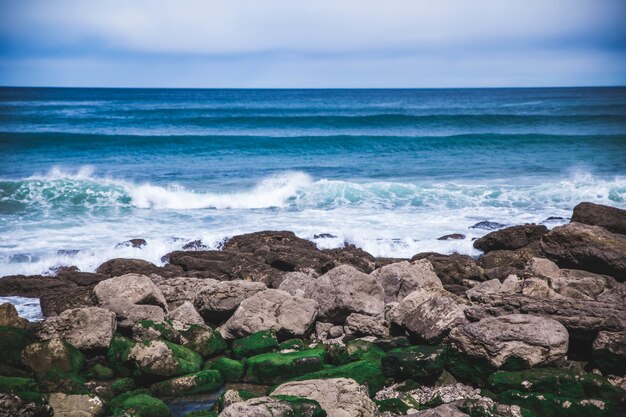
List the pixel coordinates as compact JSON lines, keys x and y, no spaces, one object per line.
{"x":389,"y":170}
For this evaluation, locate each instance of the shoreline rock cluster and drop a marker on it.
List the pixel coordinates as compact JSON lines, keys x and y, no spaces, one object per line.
{"x":536,"y":326}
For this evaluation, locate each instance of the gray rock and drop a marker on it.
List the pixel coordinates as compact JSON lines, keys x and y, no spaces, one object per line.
{"x":531,"y":339}
{"x":609,"y":352}
{"x":433,"y":319}
{"x":13,"y":406}
{"x":10,"y":318}
{"x":413,"y":300}
{"x":184,"y":289}
{"x":288,"y":315}
{"x":265,"y":407}
{"x":362,"y":325}
{"x":402,"y":278}
{"x":295,"y":283}
{"x":339,"y":397}
{"x":85,"y":328}
{"x":444,"y":410}
{"x":219,"y":301}
{"x":186,"y":314}
{"x":487,"y":287}
{"x":543,"y":267}
{"x":65,"y":405}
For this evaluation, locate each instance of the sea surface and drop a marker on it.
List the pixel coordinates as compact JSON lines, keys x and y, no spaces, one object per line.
{"x":82,"y":170}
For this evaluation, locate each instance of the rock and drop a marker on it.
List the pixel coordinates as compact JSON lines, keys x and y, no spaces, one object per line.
{"x":183,"y":288}
{"x":42,"y":357}
{"x":84,"y":328}
{"x":343,"y":291}
{"x":33,"y":285}
{"x":219,"y":302}
{"x":162,"y":358}
{"x":612,"y":219}
{"x":186,"y":314}
{"x":76,"y":405}
{"x":132,"y":243}
{"x":196,"y":383}
{"x":10,"y":318}
{"x":339,"y":397}
{"x":121,"y":266}
{"x":543,"y":267}
{"x":609,"y":352}
{"x":273,"y":368}
{"x":590,"y":248}
{"x":402,"y":278}
{"x":515,"y":339}
{"x":487,"y":225}
{"x":353,"y":351}
{"x":350,"y":255}
{"x":362,"y":325}
{"x":272,"y":309}
{"x":415,"y":362}
{"x":55,"y":302}
{"x":255,"y":344}
{"x":453,"y":236}
{"x":487,"y":287}
{"x":511,"y":238}
{"x":539,"y":404}
{"x":13,"y":406}
{"x":194,"y":245}
{"x":444,"y":410}
{"x":230,"y":369}
{"x":296,"y":282}
{"x":138,"y":405}
{"x":324,"y":236}
{"x":433,"y":319}
{"x":499,"y":264}
{"x":409,"y":303}
{"x":273,"y":407}
{"x":454,"y":270}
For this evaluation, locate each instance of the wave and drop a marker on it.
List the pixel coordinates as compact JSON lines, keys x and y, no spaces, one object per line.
{"x":82,"y":190}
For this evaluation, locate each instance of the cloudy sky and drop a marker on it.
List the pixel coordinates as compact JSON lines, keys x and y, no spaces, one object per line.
{"x":317,"y":43}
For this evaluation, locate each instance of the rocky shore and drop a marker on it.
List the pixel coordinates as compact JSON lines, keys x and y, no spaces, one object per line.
{"x":270,"y":325}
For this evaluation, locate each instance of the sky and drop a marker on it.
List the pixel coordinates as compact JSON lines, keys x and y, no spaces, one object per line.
{"x":312,"y":44}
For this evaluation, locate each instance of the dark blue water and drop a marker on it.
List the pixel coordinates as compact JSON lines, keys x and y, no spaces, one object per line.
{"x":389,"y":170}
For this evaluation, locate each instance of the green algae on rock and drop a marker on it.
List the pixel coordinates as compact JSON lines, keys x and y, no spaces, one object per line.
{"x":196,"y":383}
{"x":231,"y":369}
{"x":364,"y":372}
{"x":255,"y":344}
{"x":138,"y":404}
{"x":272,"y":368}
{"x":550,"y":405}
{"x":415,"y":362}
{"x":354,"y":350}
{"x":54,"y":354}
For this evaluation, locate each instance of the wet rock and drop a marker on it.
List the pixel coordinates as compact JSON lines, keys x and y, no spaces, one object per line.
{"x":402,"y":278}
{"x":337,"y":396}
{"x":68,"y":252}
{"x":255,"y":344}
{"x":454,"y":270}
{"x":499,"y":264}
{"x":324,"y":236}
{"x":590,"y":248}
{"x":10,"y":318}
{"x":519,"y":339}
{"x":414,"y":362}
{"x":183,"y":288}
{"x":511,"y":238}
{"x":487,"y":225}
{"x":32,"y":285}
{"x":194,"y":245}
{"x":121,"y":266}
{"x":350,"y":255}
{"x":132,"y":243}
{"x":84,"y":328}
{"x":195,"y":383}
{"x":54,"y":303}
{"x":452,"y":236}
{"x":612,"y":219}
{"x":288,"y":315}
{"x":162,"y":358}
{"x":218,"y":302}
{"x":273,"y":368}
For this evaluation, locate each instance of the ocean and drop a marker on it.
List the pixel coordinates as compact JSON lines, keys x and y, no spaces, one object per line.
{"x":82,"y":170}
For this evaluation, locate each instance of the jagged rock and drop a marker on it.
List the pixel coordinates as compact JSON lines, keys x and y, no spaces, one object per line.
{"x":13,"y":406}
{"x":65,"y":405}
{"x":219,"y":301}
{"x":296,"y":282}
{"x":42,"y":357}
{"x":402,"y":278}
{"x":362,"y":325}
{"x":339,"y":397}
{"x":271,"y":407}
{"x":444,"y":410}
{"x":350,"y":255}
{"x":409,"y":303}
{"x":156,"y":357}
{"x":132,"y":243}
{"x":185,"y":314}
{"x":486,"y":287}
{"x":122,"y":266}
{"x":129,"y":289}
{"x":452,"y":236}
{"x":288,"y":315}
{"x":612,"y":219}
{"x":454,"y":270}
{"x":590,"y":248}
{"x":511,"y":238}
{"x":609,"y":352}
{"x":84,"y":328}
{"x":183,"y":288}
{"x":10,"y":318}
{"x":499,"y":264}
{"x":343,"y":291}
{"x":433,"y":319}
{"x":516,"y":338}
{"x":54,"y":303}
{"x":543,"y":267}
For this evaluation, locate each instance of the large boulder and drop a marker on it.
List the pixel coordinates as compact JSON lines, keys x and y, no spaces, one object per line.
{"x":84,"y":328}
{"x":402,"y":278}
{"x":10,"y":318}
{"x":513,"y":340}
{"x":122,"y":266}
{"x":219,"y":301}
{"x":591,"y":248}
{"x":433,"y":319}
{"x":343,"y":291}
{"x":612,"y":219}
{"x":273,"y":407}
{"x":161,"y":358}
{"x":65,"y":405}
{"x":455,"y":271}
{"x":288,"y":315}
{"x":339,"y":397}
{"x":54,"y":354}
{"x":12,"y":405}
{"x":609,"y":352}
{"x":511,"y":238}
{"x":444,"y":410}
{"x":184,"y":288}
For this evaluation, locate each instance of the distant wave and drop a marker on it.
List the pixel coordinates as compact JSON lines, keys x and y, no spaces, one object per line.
{"x":297,"y":190}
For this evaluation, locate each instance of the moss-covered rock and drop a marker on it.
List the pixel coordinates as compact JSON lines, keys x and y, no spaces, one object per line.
{"x":392,"y":343}
{"x":57,"y":380}
{"x":364,"y":372}
{"x":117,"y":355}
{"x":415,"y":362}
{"x":100,"y":372}
{"x":122,"y":385}
{"x":17,"y":384}
{"x":197,"y":383}
{"x":231,"y":369}
{"x":596,"y":386}
{"x":392,"y":405}
{"x":302,"y":407}
{"x":12,"y":343}
{"x":255,"y":344}
{"x":550,"y":405}
{"x":292,"y":344}
{"x":354,"y":350}
{"x":471,"y":370}
{"x":138,"y":404}
{"x":561,"y":382}
{"x":272,"y":368}
{"x":232,"y":396}
{"x":57,"y":354}
{"x":203,"y":340}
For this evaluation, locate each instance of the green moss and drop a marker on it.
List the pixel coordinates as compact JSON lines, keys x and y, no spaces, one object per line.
{"x":245,"y":395}
{"x":595,"y":386}
{"x":117,"y":355}
{"x":415,"y":362}
{"x":100,"y":372}
{"x":292,"y":344}
{"x":164,"y":328}
{"x":272,"y":368}
{"x":12,"y":343}
{"x":549,"y":405}
{"x":205,"y":341}
{"x":202,"y":413}
{"x":392,"y":405}
{"x":255,"y":344}
{"x":303,"y":407}
{"x":15,"y":384}
{"x":354,"y":350}
{"x":561,"y":382}
{"x":364,"y":372}
{"x":187,"y":360}
{"x":42,"y":357}
{"x":392,"y":343}
{"x":57,"y":380}
{"x":232,"y":370}
{"x":474,"y":371}
{"x":122,"y":385}
{"x":139,"y":405}
{"x":32,"y":397}
{"x":608,"y":362}
{"x":197,"y":383}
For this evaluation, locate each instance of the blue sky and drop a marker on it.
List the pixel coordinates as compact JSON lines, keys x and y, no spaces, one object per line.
{"x":320,"y":43}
